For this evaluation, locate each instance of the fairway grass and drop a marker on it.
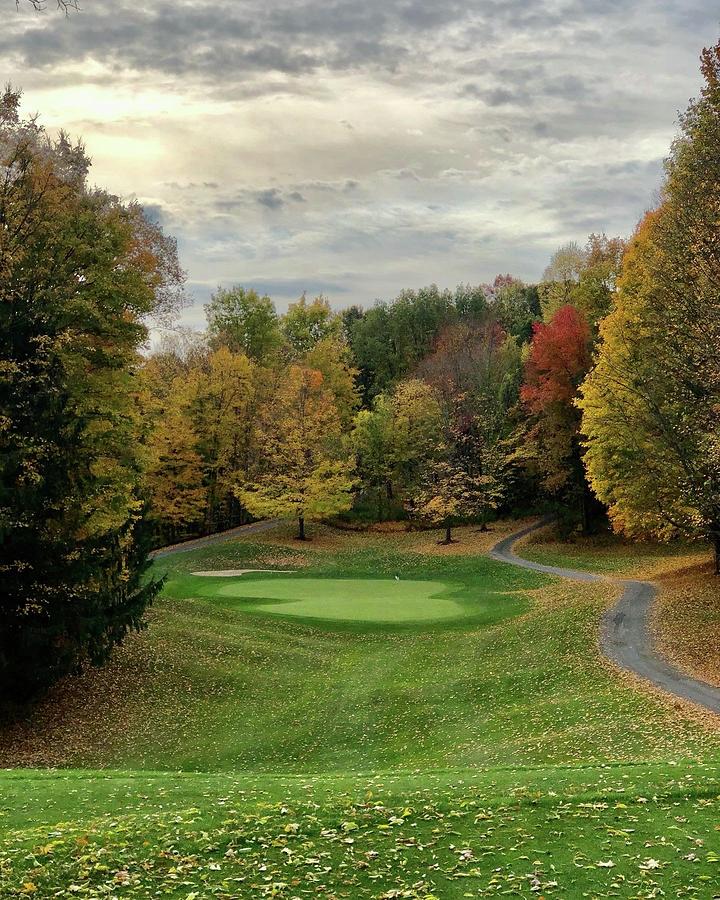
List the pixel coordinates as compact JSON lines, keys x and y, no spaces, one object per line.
{"x":603,"y":831}
{"x":338,"y":733}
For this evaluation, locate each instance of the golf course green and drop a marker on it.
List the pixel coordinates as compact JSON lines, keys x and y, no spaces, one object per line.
{"x":371,"y":600}
{"x":334,"y":730}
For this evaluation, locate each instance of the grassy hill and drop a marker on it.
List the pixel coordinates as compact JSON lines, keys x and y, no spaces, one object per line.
{"x":459,"y":738}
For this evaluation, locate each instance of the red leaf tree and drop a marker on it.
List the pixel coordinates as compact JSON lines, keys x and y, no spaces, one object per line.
{"x":558,"y":362}
{"x":559,"y":359}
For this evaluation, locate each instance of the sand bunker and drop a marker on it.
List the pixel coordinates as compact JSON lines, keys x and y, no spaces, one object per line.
{"x":233,"y":573}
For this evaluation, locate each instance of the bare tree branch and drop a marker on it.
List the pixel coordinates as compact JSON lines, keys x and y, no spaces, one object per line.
{"x":41,"y":5}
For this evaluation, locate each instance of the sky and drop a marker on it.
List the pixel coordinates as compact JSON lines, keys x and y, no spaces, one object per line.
{"x":358,"y":148}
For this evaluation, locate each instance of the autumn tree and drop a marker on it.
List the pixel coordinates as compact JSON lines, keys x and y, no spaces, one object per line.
{"x":651,"y":403}
{"x":220,"y":396}
{"x":475,"y":370}
{"x":474,"y":367}
{"x":595,"y":290}
{"x":560,"y":278}
{"x":584,"y":277}
{"x":395,"y":440}
{"x":80,"y":273}
{"x":174,"y":477}
{"x":443,"y":496}
{"x":460,"y":482}
{"x":304,"y":470}
{"x":390,"y":339}
{"x":373,"y":443}
{"x":486,"y":460}
{"x":416,"y":431}
{"x":332,"y":357}
{"x":244,"y":322}
{"x":558,"y":360}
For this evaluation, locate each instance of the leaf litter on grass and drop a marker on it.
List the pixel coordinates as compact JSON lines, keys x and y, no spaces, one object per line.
{"x":207,"y":689}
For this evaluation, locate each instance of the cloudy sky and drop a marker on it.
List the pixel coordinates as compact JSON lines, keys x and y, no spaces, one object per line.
{"x":356,"y":148}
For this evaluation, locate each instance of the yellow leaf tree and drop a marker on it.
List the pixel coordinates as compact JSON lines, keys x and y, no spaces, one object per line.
{"x":220,"y":396}
{"x":650,"y":406}
{"x":451,"y":492}
{"x":305,"y":474}
{"x":331,"y":357}
{"x":174,"y":475}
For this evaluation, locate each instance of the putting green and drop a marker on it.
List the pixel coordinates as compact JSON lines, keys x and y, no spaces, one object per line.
{"x":364,"y":600}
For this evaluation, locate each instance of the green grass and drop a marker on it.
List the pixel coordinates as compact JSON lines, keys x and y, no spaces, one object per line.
{"x":607,"y":553}
{"x":371,"y":600}
{"x":595,"y":832}
{"x":337,"y":733}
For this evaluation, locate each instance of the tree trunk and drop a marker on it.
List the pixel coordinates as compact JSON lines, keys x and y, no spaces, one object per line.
{"x":448,"y":534}
{"x":585,"y":525}
{"x":301,"y":528}
{"x":210,"y":512}
{"x":716,"y":547}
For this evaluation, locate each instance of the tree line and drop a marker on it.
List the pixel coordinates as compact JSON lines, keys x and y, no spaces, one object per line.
{"x":595,"y":392}
{"x":440,"y":406}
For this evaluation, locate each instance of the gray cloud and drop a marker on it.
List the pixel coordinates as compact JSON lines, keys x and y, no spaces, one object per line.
{"x":358,"y":148}
{"x":213,"y":40}
{"x":271,"y":198}
{"x":154,"y":212}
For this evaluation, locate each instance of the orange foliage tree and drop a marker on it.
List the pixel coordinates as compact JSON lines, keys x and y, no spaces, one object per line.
{"x":559,"y":359}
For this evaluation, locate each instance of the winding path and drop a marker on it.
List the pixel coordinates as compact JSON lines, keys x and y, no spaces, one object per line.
{"x":219,"y":538}
{"x":625,"y":630}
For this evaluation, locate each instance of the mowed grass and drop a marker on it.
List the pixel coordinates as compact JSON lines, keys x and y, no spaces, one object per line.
{"x":355,"y":600}
{"x":385,"y":601}
{"x":643,"y":831}
{"x":270,"y":751}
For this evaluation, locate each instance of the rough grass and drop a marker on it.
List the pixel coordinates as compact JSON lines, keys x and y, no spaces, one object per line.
{"x":686,"y":621}
{"x":611,"y":554}
{"x":264,"y":755}
{"x":686,"y":624}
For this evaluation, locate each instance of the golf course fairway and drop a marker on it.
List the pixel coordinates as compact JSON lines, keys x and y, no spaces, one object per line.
{"x":383,"y":718}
